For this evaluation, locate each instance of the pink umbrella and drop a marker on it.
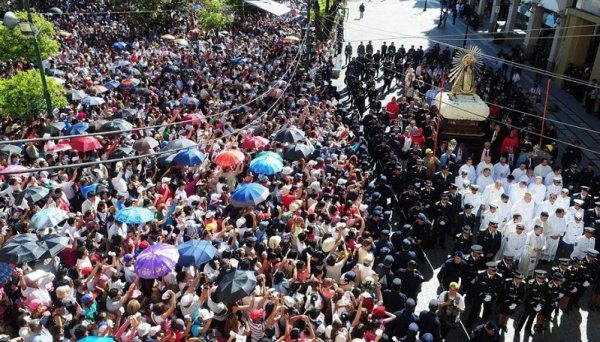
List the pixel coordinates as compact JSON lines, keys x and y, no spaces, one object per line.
{"x":13,"y":168}
{"x":194,"y":118}
{"x":61,"y":147}
{"x":85,"y":144}
{"x":255,"y":142}
{"x":229,"y":158}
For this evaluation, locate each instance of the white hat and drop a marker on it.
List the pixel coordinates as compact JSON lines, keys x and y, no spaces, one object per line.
{"x":287,"y":171}
{"x":328,"y":244}
{"x":187,"y":299}
{"x":274,"y":241}
{"x":342,"y":181}
{"x":209,"y":214}
{"x":205,"y":314}
{"x":578,"y":215}
{"x":143,"y":329}
{"x":165,"y":180}
{"x":240,"y":222}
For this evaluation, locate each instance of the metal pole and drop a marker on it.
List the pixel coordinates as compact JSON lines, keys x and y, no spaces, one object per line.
{"x":466,"y":32}
{"x":425,"y":7}
{"x":439,"y":115}
{"x":545,"y":109}
{"x":308,"y":35}
{"x":39,"y":59}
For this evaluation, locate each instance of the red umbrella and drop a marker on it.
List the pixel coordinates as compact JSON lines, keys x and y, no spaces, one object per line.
{"x":194,"y":118}
{"x":85,"y":144}
{"x":255,"y":142}
{"x":61,"y":147}
{"x":229,"y":158}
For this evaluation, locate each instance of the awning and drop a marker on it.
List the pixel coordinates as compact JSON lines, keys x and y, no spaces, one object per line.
{"x":270,"y":6}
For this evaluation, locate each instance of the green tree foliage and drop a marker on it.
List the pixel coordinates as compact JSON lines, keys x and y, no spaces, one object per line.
{"x":16,"y":46}
{"x":22,"y":95}
{"x":214,"y":16}
{"x":155,"y":13}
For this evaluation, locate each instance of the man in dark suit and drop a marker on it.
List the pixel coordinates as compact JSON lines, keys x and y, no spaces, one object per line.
{"x":465,"y":218}
{"x":442,"y":180}
{"x":490,"y":241}
{"x":495,"y":137}
{"x":585,"y":196}
{"x":591,"y":215}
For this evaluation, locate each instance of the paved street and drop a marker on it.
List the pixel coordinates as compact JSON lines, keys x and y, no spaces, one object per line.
{"x":404,"y":22}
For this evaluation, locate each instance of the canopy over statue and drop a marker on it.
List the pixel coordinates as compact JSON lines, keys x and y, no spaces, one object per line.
{"x":462,"y":103}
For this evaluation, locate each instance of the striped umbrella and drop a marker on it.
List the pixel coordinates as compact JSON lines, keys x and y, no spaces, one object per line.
{"x":129,"y":83}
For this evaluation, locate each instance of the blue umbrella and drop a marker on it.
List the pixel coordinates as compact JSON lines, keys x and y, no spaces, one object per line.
{"x":6,"y":272}
{"x":266,"y":165}
{"x":79,"y":128}
{"x":189,"y":157}
{"x":249,"y":195}
{"x":198,"y":7}
{"x":134,"y":215}
{"x":96,"y":339}
{"x":85,"y":189}
{"x":195,"y":252}
{"x":190,"y":100}
{"x":119,"y":64}
{"x":112,"y":85}
{"x":92,"y":101}
{"x":120,"y":45}
{"x":49,"y":217}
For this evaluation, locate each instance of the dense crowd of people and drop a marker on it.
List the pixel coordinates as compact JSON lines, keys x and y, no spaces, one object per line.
{"x":325,"y":241}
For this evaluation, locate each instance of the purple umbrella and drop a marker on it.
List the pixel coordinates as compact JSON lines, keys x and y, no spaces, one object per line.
{"x":156,"y":261}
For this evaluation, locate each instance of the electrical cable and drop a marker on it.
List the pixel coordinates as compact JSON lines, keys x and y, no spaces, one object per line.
{"x":297,"y":61}
{"x":483,"y":55}
{"x":183,"y":122}
{"x":503,"y":123}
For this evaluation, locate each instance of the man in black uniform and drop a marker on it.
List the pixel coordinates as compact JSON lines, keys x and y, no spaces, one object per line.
{"x":466,"y":218}
{"x":418,"y":172}
{"x":593,"y":266}
{"x":452,"y":270}
{"x":537,"y":289}
{"x":443,"y":179}
{"x":421,"y":234}
{"x":393,"y":297}
{"x":585,"y":196}
{"x":571,"y":178}
{"x":360,"y":50}
{"x":413,"y":213}
{"x":411,"y":279}
{"x":442,"y":213}
{"x":384,"y":49}
{"x":488,"y":284}
{"x":591,"y":215}
{"x":463,"y":241}
{"x":507,"y":266}
{"x":475,"y":263}
{"x":511,"y":296}
{"x":428,"y":198}
{"x":402,"y":257}
{"x":429,"y":322}
{"x":370,"y":48}
{"x":576,"y":282}
{"x":553,"y":296}
{"x":490,"y":240}
{"x":456,"y":199}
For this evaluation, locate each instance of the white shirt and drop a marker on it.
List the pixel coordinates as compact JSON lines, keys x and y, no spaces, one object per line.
{"x":517,"y":191}
{"x":515,"y":243}
{"x":471,"y":173}
{"x":549,"y":178}
{"x":527,"y":210}
{"x":474,"y":199}
{"x":563,"y":201}
{"x":89,"y":205}
{"x":500,"y":171}
{"x":484,"y":181}
{"x":582,"y":244}
{"x":556,"y":226}
{"x":482,"y":166}
{"x":491,"y":194}
{"x":573,"y":231}
{"x":518,"y":173}
{"x":542,"y":170}
{"x":553,"y":189}
{"x":538,"y":192}
{"x":546,"y":206}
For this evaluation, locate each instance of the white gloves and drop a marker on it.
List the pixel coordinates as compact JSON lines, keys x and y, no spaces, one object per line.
{"x":442,"y":223}
{"x":538,"y":308}
{"x":512,"y":306}
{"x":487,"y":298}
{"x":574,"y":290}
{"x":586,"y":283}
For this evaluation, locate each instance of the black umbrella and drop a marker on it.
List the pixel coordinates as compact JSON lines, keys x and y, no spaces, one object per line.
{"x":170,"y":68}
{"x":55,"y":128}
{"x":143,"y":91}
{"x":289,"y":134}
{"x":54,"y":244}
{"x":219,"y":47}
{"x":297,"y":151}
{"x":121,"y":152}
{"x":116,"y":125}
{"x":235,"y":285}
{"x":32,"y":194}
{"x":18,"y":253}
{"x":145,"y":144}
{"x":178,"y":144}
{"x":22,"y":238}
{"x":9,"y":149}
{"x":124,"y":113}
{"x":133,"y":72}
{"x":165,"y":159}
